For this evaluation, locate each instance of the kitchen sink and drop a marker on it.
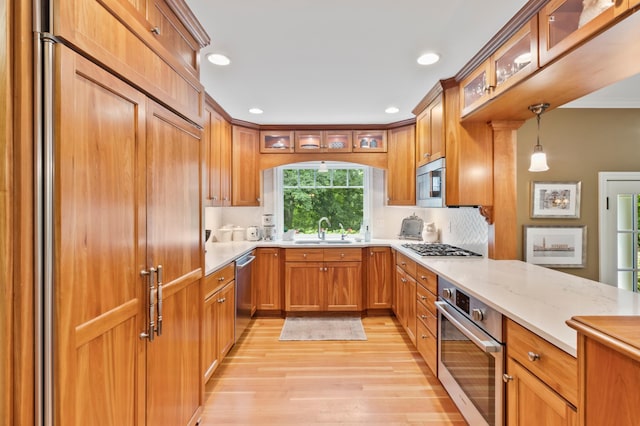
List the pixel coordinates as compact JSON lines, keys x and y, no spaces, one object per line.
{"x":332,"y":242}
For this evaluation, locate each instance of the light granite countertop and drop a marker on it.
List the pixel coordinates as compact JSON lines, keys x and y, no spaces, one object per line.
{"x":538,"y":298}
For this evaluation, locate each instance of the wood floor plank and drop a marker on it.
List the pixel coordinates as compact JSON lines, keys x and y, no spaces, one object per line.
{"x":380,"y":381}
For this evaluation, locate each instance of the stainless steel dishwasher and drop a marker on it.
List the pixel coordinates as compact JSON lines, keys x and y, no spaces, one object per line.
{"x":243,"y":293}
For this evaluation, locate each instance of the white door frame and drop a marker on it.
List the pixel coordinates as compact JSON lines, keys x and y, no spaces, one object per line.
{"x":603,"y":178}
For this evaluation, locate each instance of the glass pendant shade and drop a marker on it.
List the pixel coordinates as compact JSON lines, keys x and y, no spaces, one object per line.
{"x":323,"y":168}
{"x":538,"y":160}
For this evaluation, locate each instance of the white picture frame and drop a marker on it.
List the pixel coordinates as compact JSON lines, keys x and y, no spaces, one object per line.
{"x":555,"y":200}
{"x":556,"y":246}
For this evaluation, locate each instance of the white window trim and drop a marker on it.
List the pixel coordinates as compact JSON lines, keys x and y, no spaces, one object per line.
{"x":279,"y":190}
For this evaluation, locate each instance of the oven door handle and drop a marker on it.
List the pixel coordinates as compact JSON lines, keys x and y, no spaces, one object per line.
{"x":487,"y":346}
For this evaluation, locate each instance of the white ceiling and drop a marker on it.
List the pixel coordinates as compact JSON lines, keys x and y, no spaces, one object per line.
{"x":338,"y":61}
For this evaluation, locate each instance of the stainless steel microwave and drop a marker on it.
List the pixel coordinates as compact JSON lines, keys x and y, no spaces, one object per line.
{"x":430,"y":181}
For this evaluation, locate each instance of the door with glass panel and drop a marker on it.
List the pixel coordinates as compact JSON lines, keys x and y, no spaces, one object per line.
{"x":619,"y":233}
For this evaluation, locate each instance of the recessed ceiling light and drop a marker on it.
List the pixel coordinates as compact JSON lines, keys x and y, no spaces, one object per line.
{"x":391,"y":110}
{"x":255,"y":111}
{"x":428,"y":58}
{"x":218,"y":59}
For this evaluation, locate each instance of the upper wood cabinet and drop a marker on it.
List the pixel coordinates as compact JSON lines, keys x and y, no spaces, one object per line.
{"x":323,"y":141}
{"x":217,"y":148}
{"x":430,"y":133}
{"x":370,"y":141}
{"x":118,"y":34}
{"x":401,"y":172}
{"x":169,"y":30}
{"x":566,"y":23}
{"x":245,"y":181}
{"x":281,"y":142}
{"x":513,"y":61}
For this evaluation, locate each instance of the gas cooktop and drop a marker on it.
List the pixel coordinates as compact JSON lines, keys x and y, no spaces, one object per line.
{"x":425,"y":249}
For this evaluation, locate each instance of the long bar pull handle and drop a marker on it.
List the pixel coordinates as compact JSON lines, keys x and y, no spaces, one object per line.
{"x":152,"y":307}
{"x":159,"y":277}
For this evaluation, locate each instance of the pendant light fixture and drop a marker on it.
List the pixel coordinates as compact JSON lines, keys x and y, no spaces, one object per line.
{"x":538,"y":158}
{"x":323,"y":167}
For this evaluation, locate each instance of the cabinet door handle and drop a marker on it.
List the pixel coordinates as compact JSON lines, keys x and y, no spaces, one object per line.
{"x":424,"y":336}
{"x":341,"y":254}
{"x":152,"y":307}
{"x":506,"y":378}
{"x":423,"y":297}
{"x":304,"y":254}
{"x":371,"y":253}
{"x":533,"y":356}
{"x":221,"y":279}
{"x":424,"y":277}
{"x":275,"y":254}
{"x":159,"y":294}
{"x":155,"y":30}
{"x":423,"y":316}
{"x":222,"y":300}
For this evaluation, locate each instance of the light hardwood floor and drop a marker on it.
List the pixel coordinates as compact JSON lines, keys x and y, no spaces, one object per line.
{"x":381,"y":381}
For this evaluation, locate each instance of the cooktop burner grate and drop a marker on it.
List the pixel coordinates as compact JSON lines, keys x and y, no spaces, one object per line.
{"x":424,"y":249}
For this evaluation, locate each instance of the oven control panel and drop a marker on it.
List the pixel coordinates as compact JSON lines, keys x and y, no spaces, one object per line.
{"x":477,"y":311}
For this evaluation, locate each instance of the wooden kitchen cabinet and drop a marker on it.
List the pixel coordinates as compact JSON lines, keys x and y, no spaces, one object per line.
{"x":430,"y":133}
{"x":426,"y":316}
{"x":121,"y":35}
{"x":530,"y":398}
{"x":401,"y":175}
{"x":266,"y":280}
{"x":217,"y":141}
{"x":173,"y":34}
{"x":323,"y":279}
{"x":541,"y":380}
{"x":119,"y":152}
{"x":608,"y":369}
{"x":406,"y":287}
{"x":245,"y":181}
{"x":216,"y":322}
{"x":379,"y":273}
{"x":369,"y":141}
{"x":317,"y":141}
{"x":566,"y":23}
{"x":276,"y":142}
{"x":513,"y":61}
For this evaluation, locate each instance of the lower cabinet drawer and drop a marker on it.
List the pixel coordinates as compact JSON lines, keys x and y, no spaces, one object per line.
{"x":427,"y":317}
{"x":304,"y":255}
{"x":218,"y":279}
{"x":427,"y":298}
{"x":556,"y":368}
{"x":427,"y":345}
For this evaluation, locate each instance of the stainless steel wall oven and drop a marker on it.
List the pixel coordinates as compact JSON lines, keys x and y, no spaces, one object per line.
{"x":470,"y":354}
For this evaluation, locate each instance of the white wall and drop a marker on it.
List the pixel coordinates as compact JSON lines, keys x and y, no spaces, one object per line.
{"x":463,"y":227}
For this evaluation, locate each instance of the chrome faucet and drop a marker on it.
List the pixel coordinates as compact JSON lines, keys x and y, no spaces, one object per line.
{"x":342,"y":232}
{"x":321,"y":232}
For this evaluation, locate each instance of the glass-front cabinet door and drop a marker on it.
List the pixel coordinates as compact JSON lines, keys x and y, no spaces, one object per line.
{"x":323,"y":141}
{"x":338,"y":140}
{"x":370,"y":141}
{"x":475,"y":88}
{"x":276,"y":142}
{"x":565,"y":23}
{"x":309,"y":141}
{"x":516,"y":58}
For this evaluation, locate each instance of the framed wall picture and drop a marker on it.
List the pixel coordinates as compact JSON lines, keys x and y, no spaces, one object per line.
{"x":555,"y":200}
{"x":556,"y":246}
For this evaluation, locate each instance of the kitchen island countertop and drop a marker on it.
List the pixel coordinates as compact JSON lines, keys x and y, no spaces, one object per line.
{"x":538,"y":298}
